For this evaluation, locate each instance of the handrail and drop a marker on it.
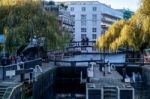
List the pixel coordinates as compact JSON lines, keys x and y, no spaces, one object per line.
{"x":18,"y":62}
{"x":35,"y":70}
{"x":38,"y":67}
{"x":69,"y":61}
{"x":18,"y":65}
{"x":81,"y":41}
{"x":27,"y":64}
{"x":14,"y":88}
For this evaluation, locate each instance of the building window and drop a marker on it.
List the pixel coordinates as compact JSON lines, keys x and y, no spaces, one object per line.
{"x":72,"y":9}
{"x":83,"y":17}
{"x":94,"y":17}
{"x":73,"y":17}
{"x":93,"y":29}
{"x":83,"y":9}
{"x":94,"y":22}
{"x":83,"y":22}
{"x":94,"y":8}
{"x":73,"y":29}
{"x":83,"y":29}
{"x":94,"y":36}
{"x":83,"y":36}
{"x":93,"y":49}
{"x":83,"y":48}
{"x":73,"y":36}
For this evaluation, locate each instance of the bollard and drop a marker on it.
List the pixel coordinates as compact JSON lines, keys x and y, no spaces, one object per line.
{"x":22,"y":77}
{"x":31,"y":77}
{"x":109,"y":71}
{"x":133,"y":77}
{"x":108,"y":67}
{"x":124,"y":72}
{"x":104,"y":72}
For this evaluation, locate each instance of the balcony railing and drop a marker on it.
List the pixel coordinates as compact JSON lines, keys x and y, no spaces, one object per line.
{"x":106,"y":21}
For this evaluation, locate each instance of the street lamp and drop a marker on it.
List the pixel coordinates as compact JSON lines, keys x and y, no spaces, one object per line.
{"x":4,"y":59}
{"x":4,"y":41}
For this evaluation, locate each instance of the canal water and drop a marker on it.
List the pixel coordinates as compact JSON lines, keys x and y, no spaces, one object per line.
{"x":141,"y":90}
{"x":111,"y":58}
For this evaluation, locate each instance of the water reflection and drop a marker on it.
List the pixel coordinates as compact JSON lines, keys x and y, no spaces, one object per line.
{"x":70,"y":96}
{"x":141,"y":91}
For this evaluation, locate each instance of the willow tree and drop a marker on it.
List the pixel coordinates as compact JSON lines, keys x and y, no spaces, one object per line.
{"x":134,"y":33}
{"x":22,"y":20}
{"x":145,"y":7}
{"x":128,"y":34}
{"x":104,"y":41}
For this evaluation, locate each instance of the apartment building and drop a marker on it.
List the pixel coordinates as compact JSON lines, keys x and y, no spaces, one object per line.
{"x":109,"y":16}
{"x":92,"y":18}
{"x":87,"y":17}
{"x":66,"y":21}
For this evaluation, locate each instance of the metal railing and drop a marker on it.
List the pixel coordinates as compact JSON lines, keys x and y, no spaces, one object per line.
{"x":81,"y":44}
{"x":11,"y":91}
{"x":13,"y":67}
{"x":99,"y":63}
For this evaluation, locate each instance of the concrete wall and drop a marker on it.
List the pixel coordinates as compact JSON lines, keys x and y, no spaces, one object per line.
{"x":146,"y":74}
{"x":43,"y":87}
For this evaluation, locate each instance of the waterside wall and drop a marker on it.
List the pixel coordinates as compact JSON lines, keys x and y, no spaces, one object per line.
{"x":45,"y":82}
{"x":146,"y":74}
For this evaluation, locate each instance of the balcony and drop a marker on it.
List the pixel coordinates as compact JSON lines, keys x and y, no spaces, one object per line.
{"x":64,"y":12}
{"x":106,"y":21}
{"x":66,"y":21}
{"x":110,"y":16}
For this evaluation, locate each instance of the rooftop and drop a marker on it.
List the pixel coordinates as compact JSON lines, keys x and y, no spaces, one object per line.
{"x":82,"y":2}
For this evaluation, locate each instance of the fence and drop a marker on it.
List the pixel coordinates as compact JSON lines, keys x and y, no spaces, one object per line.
{"x":11,"y":69}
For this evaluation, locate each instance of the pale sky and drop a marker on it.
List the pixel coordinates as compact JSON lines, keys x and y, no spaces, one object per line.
{"x":117,"y":4}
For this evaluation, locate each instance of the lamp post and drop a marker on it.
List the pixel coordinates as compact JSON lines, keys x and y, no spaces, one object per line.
{"x":104,"y":63}
{"x":4,"y":41}
{"x":4,"y":59}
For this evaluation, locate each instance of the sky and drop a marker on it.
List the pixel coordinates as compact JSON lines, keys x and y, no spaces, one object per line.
{"x":117,"y":4}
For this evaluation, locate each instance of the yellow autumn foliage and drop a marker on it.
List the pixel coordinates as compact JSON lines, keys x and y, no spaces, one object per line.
{"x":145,"y":7}
{"x":146,"y":24}
{"x":104,"y":41}
{"x":24,"y":19}
{"x":134,"y":33}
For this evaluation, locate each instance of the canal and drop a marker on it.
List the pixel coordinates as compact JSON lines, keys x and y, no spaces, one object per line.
{"x":67,"y":88}
{"x":67,"y":83}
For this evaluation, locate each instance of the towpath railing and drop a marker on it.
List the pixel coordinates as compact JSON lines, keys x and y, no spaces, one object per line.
{"x":76,"y":44}
{"x":11,"y":69}
{"x":75,"y":63}
{"x":99,"y":62}
{"x":13,"y":92}
{"x":127,"y":64}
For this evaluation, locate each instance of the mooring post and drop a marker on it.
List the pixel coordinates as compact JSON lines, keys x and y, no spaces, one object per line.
{"x":22,"y":77}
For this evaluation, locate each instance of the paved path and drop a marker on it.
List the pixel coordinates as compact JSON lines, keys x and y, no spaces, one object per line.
{"x":110,"y":79}
{"x":100,"y":75}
